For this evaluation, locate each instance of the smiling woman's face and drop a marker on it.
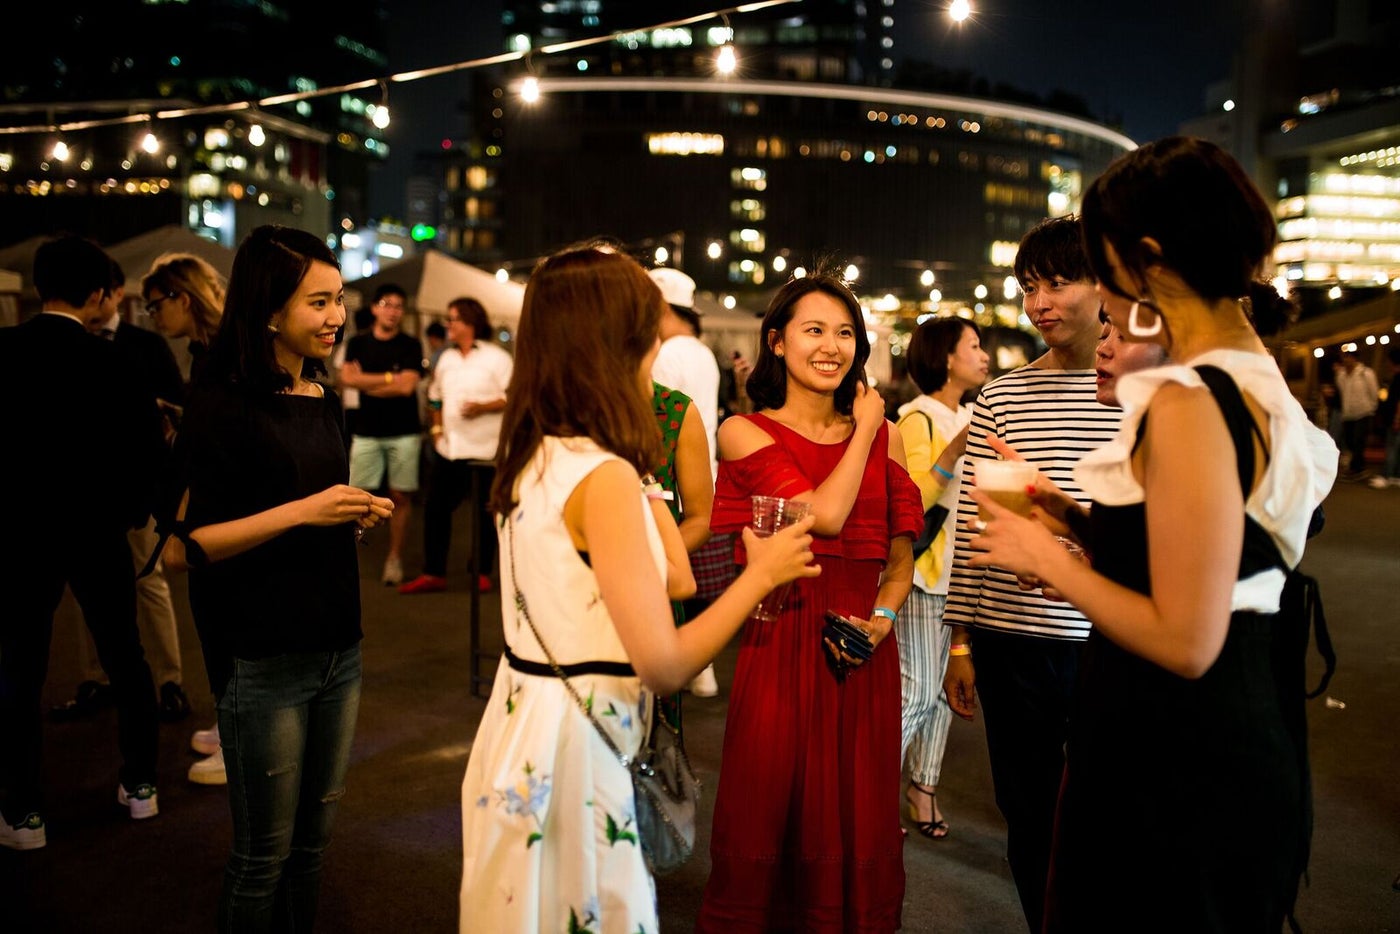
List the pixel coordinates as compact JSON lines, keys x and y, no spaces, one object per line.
{"x":818,"y":344}
{"x":306,"y":326}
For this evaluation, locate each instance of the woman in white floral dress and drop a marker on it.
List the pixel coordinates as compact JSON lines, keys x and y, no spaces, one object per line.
{"x":548,"y":817}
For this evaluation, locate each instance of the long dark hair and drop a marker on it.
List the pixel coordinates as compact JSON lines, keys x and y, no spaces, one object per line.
{"x":929,"y":348}
{"x":767,"y":384}
{"x":590,"y":317}
{"x":267,"y":270}
{"x":1214,"y":227}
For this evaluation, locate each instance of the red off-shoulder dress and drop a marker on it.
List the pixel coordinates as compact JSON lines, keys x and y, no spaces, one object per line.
{"x":806,"y":828}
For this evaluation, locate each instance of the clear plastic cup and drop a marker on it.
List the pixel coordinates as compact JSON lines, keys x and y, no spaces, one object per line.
{"x":1005,"y":482}
{"x":771,"y":513}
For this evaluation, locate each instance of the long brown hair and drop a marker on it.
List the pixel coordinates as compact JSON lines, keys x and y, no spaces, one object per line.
{"x":590,"y":317}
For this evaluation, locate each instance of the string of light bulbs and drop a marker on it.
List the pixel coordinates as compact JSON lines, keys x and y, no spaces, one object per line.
{"x":726,"y":52}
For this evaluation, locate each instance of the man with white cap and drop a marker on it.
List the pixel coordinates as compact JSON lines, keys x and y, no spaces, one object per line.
{"x":687,"y":364}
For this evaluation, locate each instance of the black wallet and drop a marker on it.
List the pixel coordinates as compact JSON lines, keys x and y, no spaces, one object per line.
{"x":846,"y":637}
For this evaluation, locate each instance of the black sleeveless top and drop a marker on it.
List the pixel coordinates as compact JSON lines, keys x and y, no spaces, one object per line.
{"x":1183,"y":805}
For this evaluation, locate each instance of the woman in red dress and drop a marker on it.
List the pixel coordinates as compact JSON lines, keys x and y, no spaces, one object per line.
{"x":805,"y":837}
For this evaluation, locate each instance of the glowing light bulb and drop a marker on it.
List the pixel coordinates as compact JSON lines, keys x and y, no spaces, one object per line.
{"x":380,"y":117}
{"x":959,"y":10}
{"x":530,"y":89}
{"x":150,"y":144}
{"x":725,"y":60}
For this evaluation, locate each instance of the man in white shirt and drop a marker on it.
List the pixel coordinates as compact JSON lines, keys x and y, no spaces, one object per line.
{"x":465,"y":398}
{"x":686,"y":363}
{"x":1360,"y":394}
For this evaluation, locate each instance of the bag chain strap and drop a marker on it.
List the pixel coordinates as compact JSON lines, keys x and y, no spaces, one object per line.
{"x":559,"y":672}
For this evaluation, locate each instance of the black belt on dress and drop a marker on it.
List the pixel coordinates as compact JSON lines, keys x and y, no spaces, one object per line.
{"x":541,"y":670}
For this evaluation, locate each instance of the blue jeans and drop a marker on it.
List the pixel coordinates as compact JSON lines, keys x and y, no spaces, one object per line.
{"x":286,"y":725}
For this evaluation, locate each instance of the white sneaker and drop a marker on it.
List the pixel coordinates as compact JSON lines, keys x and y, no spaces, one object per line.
{"x":141,"y":801}
{"x":393,"y":571}
{"x":1379,"y":483}
{"x":210,"y":770}
{"x":206,"y":742}
{"x":704,"y":684}
{"x":28,"y":834}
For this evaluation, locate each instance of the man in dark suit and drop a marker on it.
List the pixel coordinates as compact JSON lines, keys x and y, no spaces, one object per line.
{"x":83,"y":445}
{"x":145,"y":356}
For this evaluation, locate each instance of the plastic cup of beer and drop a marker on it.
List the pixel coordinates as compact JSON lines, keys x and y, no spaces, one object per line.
{"x":1005,"y":483}
{"x":771,"y":513}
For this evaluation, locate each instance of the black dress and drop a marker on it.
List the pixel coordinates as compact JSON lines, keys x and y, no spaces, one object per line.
{"x":1184,"y":803}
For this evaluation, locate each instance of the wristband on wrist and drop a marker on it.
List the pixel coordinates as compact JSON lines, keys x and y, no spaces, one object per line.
{"x":653,"y":489}
{"x":884,"y":611}
{"x":945,"y":474}
{"x":960,"y":648}
{"x":388,"y":378}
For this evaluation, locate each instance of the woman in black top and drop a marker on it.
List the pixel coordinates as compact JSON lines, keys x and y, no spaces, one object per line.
{"x":269,"y":536}
{"x":1185,"y":796}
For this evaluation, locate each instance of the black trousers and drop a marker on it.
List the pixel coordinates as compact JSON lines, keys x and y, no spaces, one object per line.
{"x":1355,"y":433}
{"x":96,"y":564}
{"x":1024,"y":684}
{"x":449,"y":483}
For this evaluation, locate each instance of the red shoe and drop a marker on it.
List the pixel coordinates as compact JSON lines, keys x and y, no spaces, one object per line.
{"x":424,"y":583}
{"x":483,"y":584}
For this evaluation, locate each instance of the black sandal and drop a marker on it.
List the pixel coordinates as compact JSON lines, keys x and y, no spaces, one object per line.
{"x":933,"y":829}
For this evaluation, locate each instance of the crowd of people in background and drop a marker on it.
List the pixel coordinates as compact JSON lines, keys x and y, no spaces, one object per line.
{"x":1125,"y":661}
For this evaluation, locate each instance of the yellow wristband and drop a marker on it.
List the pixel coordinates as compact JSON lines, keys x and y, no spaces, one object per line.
{"x":388,"y":379}
{"x":959,"y":648}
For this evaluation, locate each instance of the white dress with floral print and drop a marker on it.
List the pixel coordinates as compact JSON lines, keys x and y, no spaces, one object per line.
{"x":548,"y":818}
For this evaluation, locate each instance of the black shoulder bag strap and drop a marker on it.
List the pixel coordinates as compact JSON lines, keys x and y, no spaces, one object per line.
{"x":1300,"y":610}
{"x":935,"y":514}
{"x":1300,"y":590}
{"x":167,"y":507}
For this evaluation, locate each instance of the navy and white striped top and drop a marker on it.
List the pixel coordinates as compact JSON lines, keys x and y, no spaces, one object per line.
{"x":1052,"y":419}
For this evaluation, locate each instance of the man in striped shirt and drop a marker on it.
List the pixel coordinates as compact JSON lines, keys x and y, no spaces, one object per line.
{"x":1027,"y":647}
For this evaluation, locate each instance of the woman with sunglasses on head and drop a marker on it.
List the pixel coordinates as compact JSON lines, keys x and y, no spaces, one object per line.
{"x":1184,"y":800}
{"x":269,"y":536}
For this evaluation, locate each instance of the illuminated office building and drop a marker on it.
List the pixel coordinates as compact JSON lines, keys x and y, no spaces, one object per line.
{"x":1312,"y":109}
{"x":304,"y":162}
{"x":809,"y":150}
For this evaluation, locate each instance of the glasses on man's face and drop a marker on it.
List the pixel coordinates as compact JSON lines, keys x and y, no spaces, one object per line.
{"x":154,"y":304}
{"x":396,"y":305}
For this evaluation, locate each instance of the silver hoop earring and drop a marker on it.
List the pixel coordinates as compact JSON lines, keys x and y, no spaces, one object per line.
{"x":1138,"y":330}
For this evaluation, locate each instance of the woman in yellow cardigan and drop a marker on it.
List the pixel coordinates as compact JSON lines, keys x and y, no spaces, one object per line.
{"x":946,"y":361}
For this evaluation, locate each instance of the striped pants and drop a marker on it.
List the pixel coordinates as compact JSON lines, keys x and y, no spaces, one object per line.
{"x":923,"y":660}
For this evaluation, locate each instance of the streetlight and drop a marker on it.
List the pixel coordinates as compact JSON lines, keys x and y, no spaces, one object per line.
{"x":959,"y":10}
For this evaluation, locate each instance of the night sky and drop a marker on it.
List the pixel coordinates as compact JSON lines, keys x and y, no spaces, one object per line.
{"x":1142,"y":65}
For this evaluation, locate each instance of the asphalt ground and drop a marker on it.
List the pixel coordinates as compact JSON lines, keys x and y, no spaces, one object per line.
{"x":395,"y":862}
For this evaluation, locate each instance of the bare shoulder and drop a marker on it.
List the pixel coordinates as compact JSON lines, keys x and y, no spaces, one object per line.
{"x":739,"y":437}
